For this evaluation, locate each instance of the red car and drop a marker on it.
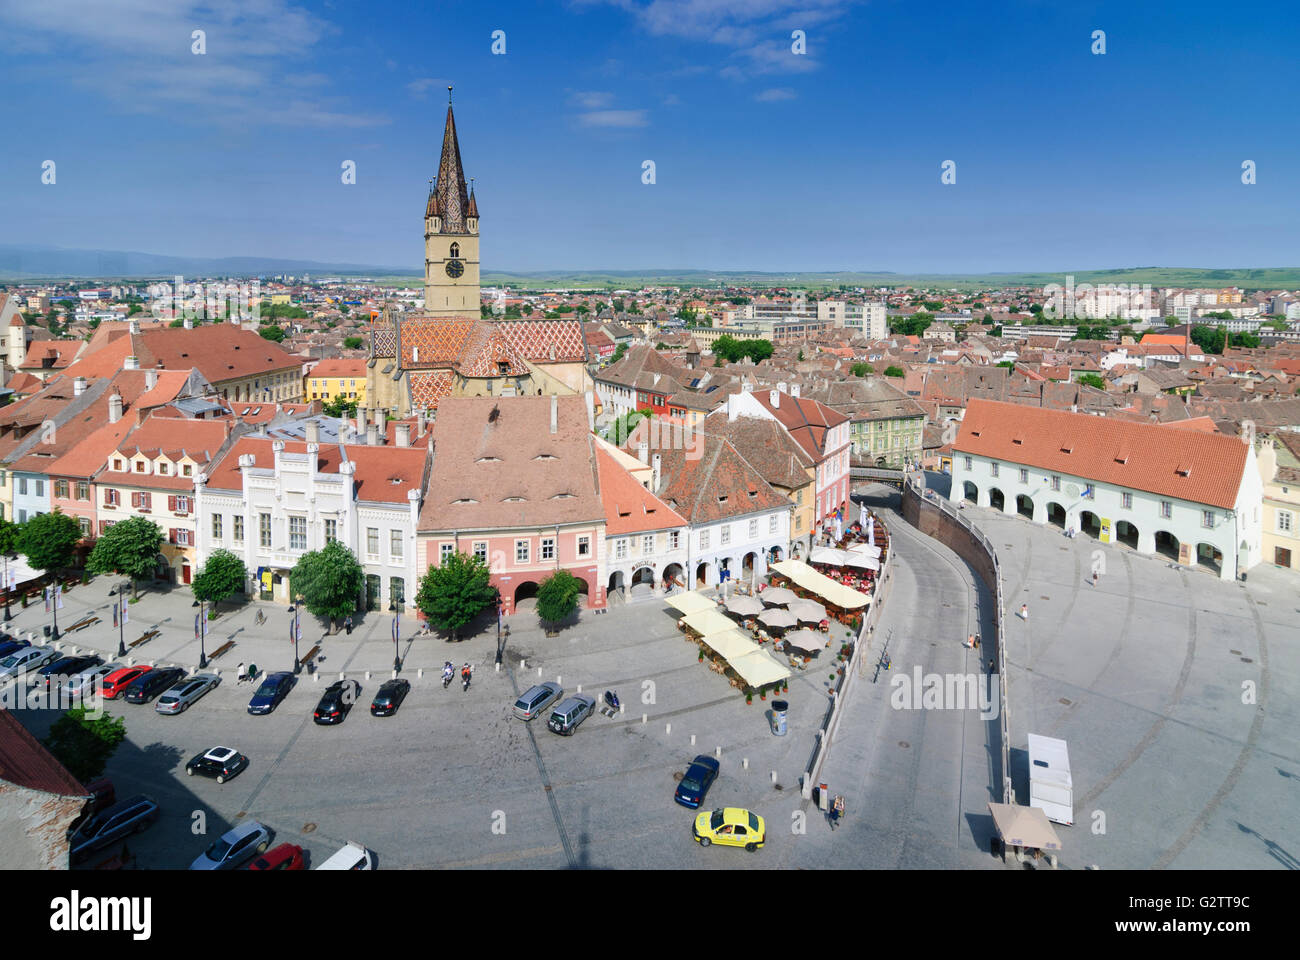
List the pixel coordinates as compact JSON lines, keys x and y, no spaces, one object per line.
{"x":286,"y":856}
{"x":115,"y":683}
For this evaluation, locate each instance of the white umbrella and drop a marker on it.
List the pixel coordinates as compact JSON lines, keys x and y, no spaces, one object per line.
{"x":744,"y":606}
{"x":777,"y":617}
{"x":863,"y":561}
{"x":871,"y":532}
{"x":809,"y":641}
{"x":862,"y":515}
{"x":828,"y":555}
{"x":808,"y":611}
{"x":865,"y":550}
{"x":777,"y":596}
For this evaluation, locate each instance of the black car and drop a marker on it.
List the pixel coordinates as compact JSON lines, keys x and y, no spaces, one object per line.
{"x":220,"y":763}
{"x":119,"y":820}
{"x":149,"y":685}
{"x":275,"y":687}
{"x":9,"y":646}
{"x":695,"y":784}
{"x":338,"y":700}
{"x":66,"y":667}
{"x":390,"y":697}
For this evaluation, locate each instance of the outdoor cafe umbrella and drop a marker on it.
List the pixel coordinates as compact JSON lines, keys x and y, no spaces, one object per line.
{"x":809,"y":641}
{"x":862,"y":515}
{"x":871,"y":533}
{"x":776,"y":617}
{"x":777,"y":596}
{"x":808,"y":611}
{"x":744,"y":606}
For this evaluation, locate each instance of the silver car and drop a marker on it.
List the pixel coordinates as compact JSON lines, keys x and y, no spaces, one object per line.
{"x":235,"y":847}
{"x":83,"y":684}
{"x":537,"y":699}
{"x":27,"y":660}
{"x":179,"y":697}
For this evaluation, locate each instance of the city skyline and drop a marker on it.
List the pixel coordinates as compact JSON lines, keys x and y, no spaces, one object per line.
{"x":762,"y":160}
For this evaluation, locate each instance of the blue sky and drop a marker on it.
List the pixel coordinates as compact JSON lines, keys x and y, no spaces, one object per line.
{"x":764,"y":159}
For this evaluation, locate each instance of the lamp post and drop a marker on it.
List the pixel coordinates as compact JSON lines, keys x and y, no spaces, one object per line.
{"x":120,"y":600}
{"x":397,"y":633}
{"x":54,"y":608}
{"x":500,"y":641}
{"x":203,"y":634}
{"x":8,"y":615}
{"x":295,"y":631}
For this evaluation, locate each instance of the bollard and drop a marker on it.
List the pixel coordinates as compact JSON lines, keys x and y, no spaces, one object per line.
{"x":539,"y":671}
{"x":315,"y":676}
{"x":523,"y":664}
{"x":342,"y":676}
{"x":643,"y":718}
{"x":393,"y":674}
{"x":558,"y":680}
{"x":774,"y":776}
{"x":745,"y":763}
{"x":717,"y":752}
{"x":692,"y":739}
{"x":668,"y":728}
{"x":419,"y":674}
{"x":622,"y":709}
{"x":498,"y":668}
{"x":580,"y":688}
{"x":367,"y":674}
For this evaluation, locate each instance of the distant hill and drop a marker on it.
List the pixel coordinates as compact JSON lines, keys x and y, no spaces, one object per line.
{"x":33,"y":263}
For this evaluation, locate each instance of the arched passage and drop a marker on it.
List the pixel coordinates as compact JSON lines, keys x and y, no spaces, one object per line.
{"x":702,"y":575}
{"x":1126,"y":534}
{"x":747,"y":564}
{"x":1056,"y":514}
{"x":1090,"y":524}
{"x":673,"y":575}
{"x":1166,"y":544}
{"x":525,"y":591}
{"x":615,"y":581}
{"x":970,"y":492}
{"x":644,"y":575}
{"x":1025,"y":506}
{"x":997,"y":500}
{"x":1210,"y":557}
{"x":774,"y":556}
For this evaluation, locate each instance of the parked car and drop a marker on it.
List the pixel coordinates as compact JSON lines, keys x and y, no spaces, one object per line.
{"x":147,"y":686}
{"x":566,"y":717}
{"x":390,"y":697}
{"x":536,"y":699}
{"x":730,"y":827}
{"x":27,"y":660}
{"x":275,"y":687}
{"x":83,"y":684}
{"x":65,"y":667}
{"x":286,"y":856}
{"x":115,"y":683}
{"x":337,"y":701}
{"x":220,"y":763}
{"x":695,"y":784}
{"x":235,"y":847}
{"x":184,"y":694}
{"x":351,"y":857}
{"x":12,"y":646}
{"x":113,"y":823}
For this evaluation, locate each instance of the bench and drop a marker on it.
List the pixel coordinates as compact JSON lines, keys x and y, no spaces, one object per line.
{"x":224,"y":648}
{"x":309,"y":656}
{"x":144,"y":639}
{"x":82,"y":624}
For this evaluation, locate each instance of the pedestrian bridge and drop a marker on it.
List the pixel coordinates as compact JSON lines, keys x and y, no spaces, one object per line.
{"x":876,"y":475}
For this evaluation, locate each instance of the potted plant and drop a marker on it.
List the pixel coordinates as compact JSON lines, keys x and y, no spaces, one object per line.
{"x":701,"y":654}
{"x":762,"y":693}
{"x":749,"y":696}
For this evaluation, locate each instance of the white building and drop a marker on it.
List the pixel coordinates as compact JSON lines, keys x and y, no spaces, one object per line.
{"x":1191,"y":495}
{"x":270,"y":501}
{"x":869,"y":318}
{"x":645,"y":539}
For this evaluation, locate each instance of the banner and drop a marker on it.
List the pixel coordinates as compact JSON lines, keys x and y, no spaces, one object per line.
{"x":46,"y":594}
{"x":396,"y":631}
{"x":125,"y":618}
{"x":58,"y":596}
{"x":115,"y":615}
{"x":196,"y":625}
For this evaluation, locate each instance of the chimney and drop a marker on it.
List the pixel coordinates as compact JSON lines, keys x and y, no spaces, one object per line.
{"x":135,"y":326}
{"x":643,"y":452}
{"x":782,"y":387}
{"x":114,"y":407}
{"x":654,"y":488}
{"x":555,"y":413}
{"x":150,"y":379}
{"x":78,"y":386}
{"x":381,"y":422}
{"x":403,"y":434}
{"x":794,"y":389}
{"x":132,"y":363}
{"x":774,"y":397}
{"x":590,"y":400}
{"x":313,"y":431}
{"x":189,"y":324}
{"x":361,"y":421}
{"x":372,"y":435}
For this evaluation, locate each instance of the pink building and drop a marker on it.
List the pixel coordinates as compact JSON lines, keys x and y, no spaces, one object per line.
{"x":824,"y":435}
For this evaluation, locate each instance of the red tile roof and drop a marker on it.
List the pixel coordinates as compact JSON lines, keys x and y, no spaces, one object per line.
{"x":807,"y":420}
{"x":340,"y":367}
{"x":630,"y":507}
{"x":24,"y":762}
{"x":1189,"y":465}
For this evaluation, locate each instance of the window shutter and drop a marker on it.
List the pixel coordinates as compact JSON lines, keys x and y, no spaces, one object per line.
{"x":171,"y":535}
{"x":135,"y":499}
{"x":171,"y":504}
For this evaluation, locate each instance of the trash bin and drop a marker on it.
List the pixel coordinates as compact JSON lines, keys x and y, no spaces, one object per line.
{"x":779,"y":710}
{"x":47,"y":629}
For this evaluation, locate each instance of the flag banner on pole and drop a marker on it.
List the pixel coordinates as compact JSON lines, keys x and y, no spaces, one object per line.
{"x":125,"y":618}
{"x":46,"y":593}
{"x":13,"y":579}
{"x":114,"y":615}
{"x":395,"y":629}
{"x":196,"y":626}
{"x":58,"y":596}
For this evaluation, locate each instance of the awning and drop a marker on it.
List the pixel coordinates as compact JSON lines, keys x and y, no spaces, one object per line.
{"x":691,"y":602}
{"x":759,"y":668}
{"x":730,"y":644}
{"x":1024,"y":826}
{"x":829,"y":555}
{"x":710,"y":621}
{"x":777,"y":596}
{"x":867,"y":549}
{"x":805,"y":576}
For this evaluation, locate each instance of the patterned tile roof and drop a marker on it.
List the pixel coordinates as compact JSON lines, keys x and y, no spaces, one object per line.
{"x":546,"y":341}
{"x":429,"y":342}
{"x":429,"y":388}
{"x":489,"y":352}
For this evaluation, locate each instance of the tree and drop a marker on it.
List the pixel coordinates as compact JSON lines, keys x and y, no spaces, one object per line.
{"x":618,"y":353}
{"x":9,"y":534}
{"x":860,"y":369}
{"x":1245,"y":339}
{"x":557,"y":596}
{"x":329,"y":581}
{"x":272,"y":332}
{"x":1210,"y":339}
{"x":622,"y":427}
{"x":134,"y":309}
{"x":48,"y":540}
{"x":1009,"y":364}
{"x":894,"y":372}
{"x":801,"y":353}
{"x":222,"y":576}
{"x":340,"y":406}
{"x":454,"y":593}
{"x":129,"y":548}
{"x":1092,"y":380}
{"x":353,"y":343}
{"x":83,"y":745}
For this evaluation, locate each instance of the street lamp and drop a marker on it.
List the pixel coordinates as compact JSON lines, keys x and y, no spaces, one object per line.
{"x":8,"y":616}
{"x":397,"y":633}
{"x":500,"y":640}
{"x":295,"y":631}
{"x":54,"y":607}
{"x":120,"y":600}
{"x":203,"y":634}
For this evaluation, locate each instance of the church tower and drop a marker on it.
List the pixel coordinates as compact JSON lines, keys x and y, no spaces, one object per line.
{"x":451,"y":277}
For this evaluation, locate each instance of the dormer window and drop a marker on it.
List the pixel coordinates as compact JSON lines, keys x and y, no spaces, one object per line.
{"x":163,"y":469}
{"x":187,"y":470}
{"x":465,"y":500}
{"x":139,"y":466}
{"x":513,"y":500}
{"x":546,"y":456}
{"x":489,"y":460}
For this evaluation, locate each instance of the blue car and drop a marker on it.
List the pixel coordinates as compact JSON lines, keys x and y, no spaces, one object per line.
{"x":695,"y":784}
{"x":274,"y":688}
{"x":12,"y":646}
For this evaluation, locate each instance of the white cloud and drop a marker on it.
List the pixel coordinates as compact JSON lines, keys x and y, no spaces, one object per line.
{"x":613,"y":118}
{"x":420,"y":88}
{"x":592,"y":99}
{"x":775,"y":95}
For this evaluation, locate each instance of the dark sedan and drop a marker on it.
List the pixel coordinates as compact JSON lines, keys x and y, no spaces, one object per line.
{"x":66,"y":667}
{"x":338,"y":700}
{"x":695,"y":784}
{"x":275,"y":687}
{"x":11,"y":646}
{"x":147,"y":686}
{"x":390,"y":697}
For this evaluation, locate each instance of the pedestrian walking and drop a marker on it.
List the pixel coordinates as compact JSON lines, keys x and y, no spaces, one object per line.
{"x":1024,"y":611}
{"x":970,"y":641}
{"x":1094,"y":578}
{"x":837,"y":811}
{"x":347,"y":625}
{"x":241,"y":673}
{"x":991,"y":670}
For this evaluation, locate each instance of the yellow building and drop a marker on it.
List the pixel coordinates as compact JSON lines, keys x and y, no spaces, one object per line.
{"x":335,"y":378}
{"x":1279,"y":469}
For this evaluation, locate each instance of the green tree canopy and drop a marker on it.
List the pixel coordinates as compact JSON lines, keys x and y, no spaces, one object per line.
{"x":912,"y":326}
{"x":340,"y":406}
{"x":860,"y":369}
{"x":894,"y":372}
{"x":329,"y":581}
{"x":1210,"y":339}
{"x":1009,"y":364}
{"x":1092,"y":380}
{"x":83,"y":745}
{"x":1245,"y":339}
{"x":48,"y":540}
{"x":272,"y":332}
{"x":557,"y":596}
{"x":353,"y":343}
{"x":618,"y":431}
{"x":9,"y":533}
{"x":454,"y":593}
{"x":222,"y":576}
{"x":129,"y":548}
{"x":731,"y":350}
{"x":618,"y":353}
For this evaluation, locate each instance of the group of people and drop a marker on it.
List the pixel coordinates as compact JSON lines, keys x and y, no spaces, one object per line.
{"x":448,"y":671}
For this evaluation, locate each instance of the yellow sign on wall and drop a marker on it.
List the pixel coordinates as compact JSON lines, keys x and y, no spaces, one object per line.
{"x":1104,"y":535}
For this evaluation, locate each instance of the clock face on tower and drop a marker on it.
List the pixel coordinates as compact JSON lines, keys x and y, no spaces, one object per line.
{"x":455,"y":268}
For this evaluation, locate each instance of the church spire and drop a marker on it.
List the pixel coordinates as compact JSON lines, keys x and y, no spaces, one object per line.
{"x":450,"y":191}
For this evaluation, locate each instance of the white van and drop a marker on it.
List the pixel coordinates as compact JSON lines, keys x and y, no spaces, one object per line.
{"x":352,"y":857}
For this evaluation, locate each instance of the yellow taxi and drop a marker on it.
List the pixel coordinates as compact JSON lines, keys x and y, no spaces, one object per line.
{"x":732,"y":827}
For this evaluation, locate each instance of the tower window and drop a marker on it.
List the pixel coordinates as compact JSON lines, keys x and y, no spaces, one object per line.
{"x":455,"y":250}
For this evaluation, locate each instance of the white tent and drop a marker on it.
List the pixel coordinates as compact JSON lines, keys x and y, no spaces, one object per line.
{"x":729,"y":644}
{"x":759,"y":668}
{"x":805,"y":576}
{"x":709,"y":621}
{"x":691,"y":602}
{"x":777,"y":596}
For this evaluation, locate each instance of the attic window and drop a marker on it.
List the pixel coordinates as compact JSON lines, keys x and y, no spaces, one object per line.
{"x":562,"y":496}
{"x":546,"y":456}
{"x":1184,"y":470}
{"x":975,"y":433}
{"x":513,"y":500}
{"x":488,"y":460}
{"x":722,"y":499}
{"x":1067,"y":449}
{"x":1018,"y":441}
{"x":465,"y":500}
